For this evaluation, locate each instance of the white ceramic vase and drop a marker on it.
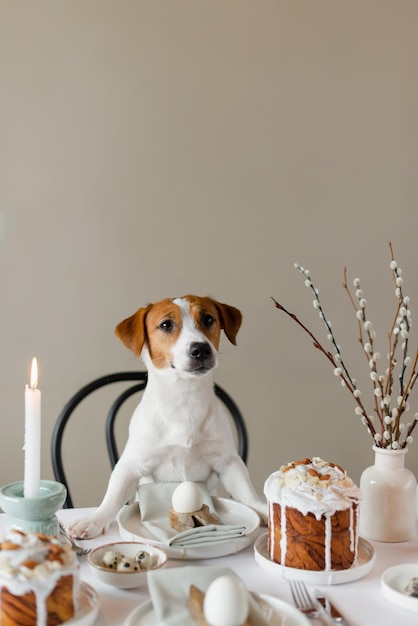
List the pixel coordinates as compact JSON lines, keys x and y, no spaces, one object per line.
{"x":388,"y":508}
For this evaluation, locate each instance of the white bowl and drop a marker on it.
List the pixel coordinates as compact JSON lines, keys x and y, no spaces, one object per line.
{"x":125,"y":580}
{"x":394,"y":581}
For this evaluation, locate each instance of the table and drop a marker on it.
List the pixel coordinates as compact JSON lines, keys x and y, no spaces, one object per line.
{"x":361,"y":601}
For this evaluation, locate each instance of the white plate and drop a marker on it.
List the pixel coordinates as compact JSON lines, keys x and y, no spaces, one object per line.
{"x":394,"y":581}
{"x":276,"y":611}
{"x":89,"y":607}
{"x":232,"y":512}
{"x":366,"y":559}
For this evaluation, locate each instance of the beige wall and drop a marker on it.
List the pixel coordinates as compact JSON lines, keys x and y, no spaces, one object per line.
{"x":151,"y":149}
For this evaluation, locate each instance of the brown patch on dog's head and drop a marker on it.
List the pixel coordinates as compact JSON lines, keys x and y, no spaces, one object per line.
{"x":144,"y":327}
{"x":163,"y":325}
{"x":131,"y":331}
{"x":229,"y":317}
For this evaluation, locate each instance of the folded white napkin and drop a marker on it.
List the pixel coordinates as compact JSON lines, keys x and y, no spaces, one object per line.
{"x":169,"y":591}
{"x":154,"y":501}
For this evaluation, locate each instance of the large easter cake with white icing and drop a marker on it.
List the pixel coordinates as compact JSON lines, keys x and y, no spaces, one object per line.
{"x":313,"y":514}
{"x":39,"y":580}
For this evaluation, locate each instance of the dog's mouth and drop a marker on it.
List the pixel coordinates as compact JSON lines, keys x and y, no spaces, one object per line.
{"x":199,"y":369}
{"x":202,"y":368}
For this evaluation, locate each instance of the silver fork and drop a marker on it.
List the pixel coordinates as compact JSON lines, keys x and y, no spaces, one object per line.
{"x":303,"y":600}
{"x":77,"y":549}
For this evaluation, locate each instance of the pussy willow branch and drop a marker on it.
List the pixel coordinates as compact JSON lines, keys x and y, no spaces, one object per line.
{"x":329,"y":356}
{"x":401,"y":301}
{"x":345,"y":285}
{"x":404,"y":390}
{"x":376,"y":383}
{"x":408,"y":388}
{"x":391,"y":352}
{"x":324,"y":318}
{"x":410,"y":429}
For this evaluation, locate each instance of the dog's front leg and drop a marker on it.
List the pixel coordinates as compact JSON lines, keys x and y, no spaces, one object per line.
{"x":236,"y":480}
{"x":122,"y":485}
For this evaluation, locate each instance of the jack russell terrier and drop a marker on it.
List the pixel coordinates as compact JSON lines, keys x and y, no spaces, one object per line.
{"x":179,"y":431}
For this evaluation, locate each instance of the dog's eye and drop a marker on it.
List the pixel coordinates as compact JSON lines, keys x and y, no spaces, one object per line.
{"x":208,"y":320}
{"x":167,"y":326}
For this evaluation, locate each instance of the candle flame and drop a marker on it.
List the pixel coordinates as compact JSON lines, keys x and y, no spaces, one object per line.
{"x":34,"y":374}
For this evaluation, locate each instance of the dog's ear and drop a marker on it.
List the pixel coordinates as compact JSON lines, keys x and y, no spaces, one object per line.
{"x":231,"y":319}
{"x":131,"y":331}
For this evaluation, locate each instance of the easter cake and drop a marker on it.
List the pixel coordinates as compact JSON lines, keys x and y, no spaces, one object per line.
{"x":313,"y":515}
{"x":39,"y":580}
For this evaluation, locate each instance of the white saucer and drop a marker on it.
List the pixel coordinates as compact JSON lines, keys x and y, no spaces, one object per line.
{"x":89,"y":607}
{"x":366,"y":559}
{"x":231,"y":512}
{"x":276,"y":611}
{"x":394,"y":581}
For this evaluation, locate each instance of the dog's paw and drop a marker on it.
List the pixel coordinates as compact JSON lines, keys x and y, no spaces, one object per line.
{"x":261,"y":508}
{"x":87,"y":527}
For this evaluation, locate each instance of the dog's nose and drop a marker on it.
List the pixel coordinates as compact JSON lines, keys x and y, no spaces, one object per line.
{"x":200,"y":350}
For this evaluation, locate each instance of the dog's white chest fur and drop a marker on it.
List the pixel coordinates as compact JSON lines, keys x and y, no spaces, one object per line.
{"x":179,"y":433}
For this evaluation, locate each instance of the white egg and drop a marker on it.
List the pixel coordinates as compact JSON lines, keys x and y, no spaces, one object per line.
{"x":111,"y":558}
{"x":187,"y":497}
{"x":226,"y":602}
{"x":144,"y":559}
{"x":128,"y":565}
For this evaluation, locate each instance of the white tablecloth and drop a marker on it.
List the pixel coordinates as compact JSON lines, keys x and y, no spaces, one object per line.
{"x":361,"y":601}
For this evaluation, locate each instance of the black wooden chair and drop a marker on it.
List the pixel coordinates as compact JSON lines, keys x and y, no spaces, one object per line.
{"x":140,"y":380}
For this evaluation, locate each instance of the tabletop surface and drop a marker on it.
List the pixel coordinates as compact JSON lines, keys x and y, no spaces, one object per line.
{"x":360,"y":601}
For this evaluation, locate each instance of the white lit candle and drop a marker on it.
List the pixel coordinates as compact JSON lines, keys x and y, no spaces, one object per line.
{"x":32,"y":435}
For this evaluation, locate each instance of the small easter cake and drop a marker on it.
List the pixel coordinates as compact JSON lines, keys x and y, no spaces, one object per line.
{"x":313,"y":515}
{"x":39,"y":580}
{"x":187,"y":509}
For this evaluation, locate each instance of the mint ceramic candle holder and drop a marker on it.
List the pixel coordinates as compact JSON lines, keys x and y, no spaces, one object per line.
{"x":33,"y":514}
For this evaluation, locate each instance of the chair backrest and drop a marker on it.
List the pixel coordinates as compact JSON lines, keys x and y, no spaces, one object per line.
{"x":140,"y":380}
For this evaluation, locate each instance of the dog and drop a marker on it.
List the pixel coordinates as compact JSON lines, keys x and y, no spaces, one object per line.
{"x":179,"y":431}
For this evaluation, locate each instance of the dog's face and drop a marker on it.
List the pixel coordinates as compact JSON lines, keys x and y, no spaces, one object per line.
{"x":181,"y":333}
